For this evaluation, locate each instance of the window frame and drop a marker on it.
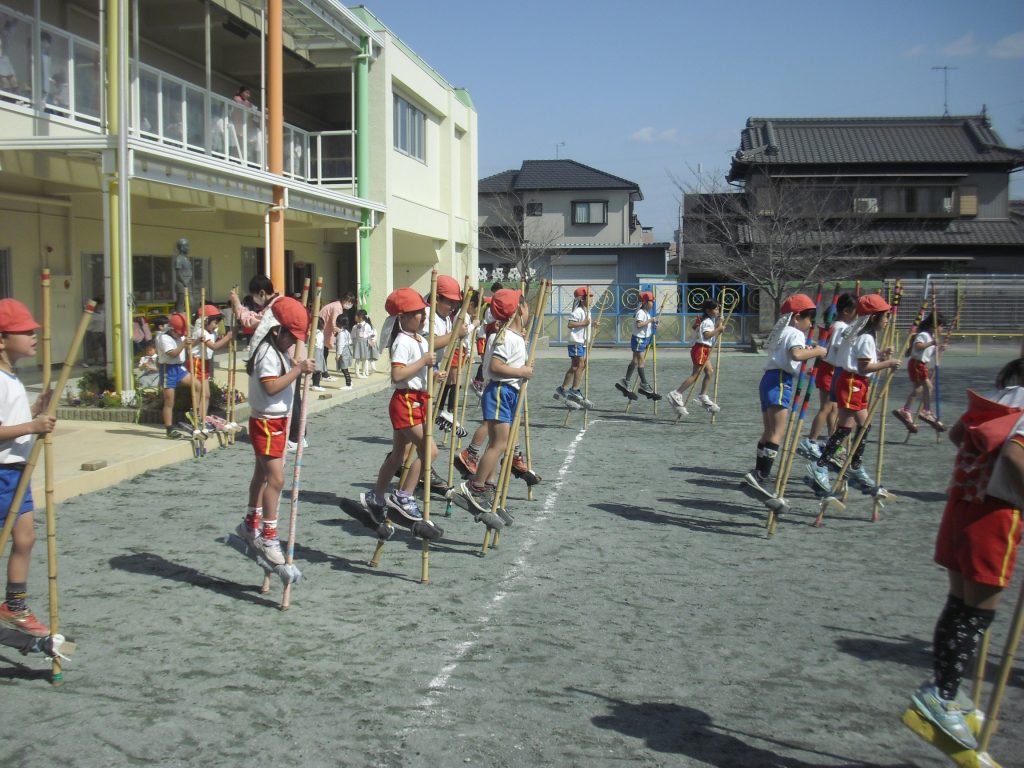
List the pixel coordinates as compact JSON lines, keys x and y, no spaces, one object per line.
{"x":590,"y":203}
{"x":409,"y":129}
{"x":535,"y":209}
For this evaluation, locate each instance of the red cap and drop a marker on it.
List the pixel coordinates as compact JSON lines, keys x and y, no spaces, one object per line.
{"x":798,"y":302}
{"x":504,"y":303}
{"x":487,"y":299}
{"x":178,"y":323}
{"x":15,"y":317}
{"x":405,"y":300}
{"x":579,"y":293}
{"x":448,"y":288}
{"x":870,"y":303}
{"x":646,"y":296}
{"x":292,"y":316}
{"x":208,"y":310}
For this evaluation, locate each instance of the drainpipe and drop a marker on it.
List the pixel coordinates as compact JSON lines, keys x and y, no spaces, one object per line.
{"x":275,"y":136}
{"x":363,"y":167}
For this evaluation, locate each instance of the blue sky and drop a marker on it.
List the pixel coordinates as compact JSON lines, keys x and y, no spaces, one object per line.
{"x":652,"y":88}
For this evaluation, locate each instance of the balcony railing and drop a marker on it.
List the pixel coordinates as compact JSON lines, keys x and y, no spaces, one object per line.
{"x":65,"y":80}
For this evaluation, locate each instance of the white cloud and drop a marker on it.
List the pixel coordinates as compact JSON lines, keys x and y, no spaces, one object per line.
{"x":964,"y":46}
{"x":1010,"y":47}
{"x":649,"y":135}
{"x":914,"y":51}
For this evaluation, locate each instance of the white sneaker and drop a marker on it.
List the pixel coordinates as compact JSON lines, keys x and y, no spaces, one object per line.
{"x":328,"y":378}
{"x":678,"y":402}
{"x":247,"y":533}
{"x":708,"y":403}
{"x":317,"y":388}
{"x":270,"y":549}
{"x":347,"y":387}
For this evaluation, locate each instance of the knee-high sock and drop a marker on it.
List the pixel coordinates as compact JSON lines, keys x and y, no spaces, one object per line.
{"x":643,"y":376}
{"x":834,"y":441}
{"x":629,"y":372}
{"x":859,"y":453}
{"x":957,"y":634}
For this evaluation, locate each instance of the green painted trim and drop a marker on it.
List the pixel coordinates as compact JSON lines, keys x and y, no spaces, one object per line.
{"x":363,"y":165}
{"x":463,"y":95}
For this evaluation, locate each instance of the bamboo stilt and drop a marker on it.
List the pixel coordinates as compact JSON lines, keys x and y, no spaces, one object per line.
{"x":890,"y":338}
{"x":428,"y":425}
{"x":996,"y":700}
{"x":56,"y":675}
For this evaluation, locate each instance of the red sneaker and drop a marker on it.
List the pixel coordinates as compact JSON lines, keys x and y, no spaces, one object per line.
{"x":519,"y":464}
{"x":466,"y":462}
{"x":23,"y":621}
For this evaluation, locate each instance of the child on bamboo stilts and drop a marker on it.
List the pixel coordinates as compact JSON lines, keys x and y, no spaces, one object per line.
{"x":922,"y":353}
{"x":170,"y":354}
{"x":506,"y":369}
{"x":708,"y":327}
{"x":644,"y":326}
{"x":411,"y":365}
{"x":272,"y":377}
{"x":446,"y":417}
{"x":976,"y":543}
{"x":207,"y":318}
{"x":449,"y":299}
{"x":858,"y":363}
{"x":19,"y":425}
{"x":846,"y":311}
{"x":579,"y":333}
{"x":484,"y":332}
{"x":787,"y":349}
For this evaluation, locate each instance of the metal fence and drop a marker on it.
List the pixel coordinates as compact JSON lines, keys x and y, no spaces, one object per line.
{"x":677,"y":306}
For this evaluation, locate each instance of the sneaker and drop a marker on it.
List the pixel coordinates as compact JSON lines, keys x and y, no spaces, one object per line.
{"x":708,"y":403}
{"x":375,"y":506}
{"x":54,"y":646}
{"x":437,"y":483}
{"x":623,"y":386}
{"x":943,"y":714}
{"x":929,"y":417}
{"x":328,"y":378}
{"x":678,"y":402}
{"x":481,"y":501}
{"x":270,"y":549}
{"x":317,"y":388}
{"x":756,"y":481}
{"x":809,"y":449}
{"x":247,"y":533}
{"x":904,"y":416}
{"x":560,"y":393}
{"x":347,"y":387}
{"x":290,"y":446}
{"x":573,"y":400}
{"x":23,"y":621}
{"x":819,"y":477}
{"x":860,"y":477}
{"x":446,"y":421}
{"x":405,"y":506}
{"x":466,"y":462}
{"x":519,"y":464}
{"x":648,"y":391}
{"x":478,"y":387}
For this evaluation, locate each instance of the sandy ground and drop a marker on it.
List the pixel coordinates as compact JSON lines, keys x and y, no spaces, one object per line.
{"x":635,"y":613}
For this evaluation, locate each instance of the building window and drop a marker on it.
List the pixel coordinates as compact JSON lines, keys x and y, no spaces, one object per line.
{"x":410,"y":129}
{"x":535,"y":209}
{"x":590,"y":212}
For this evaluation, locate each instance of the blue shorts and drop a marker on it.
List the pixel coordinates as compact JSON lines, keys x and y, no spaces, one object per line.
{"x":577,"y":350}
{"x":10,"y":474}
{"x":776,"y":389}
{"x":171,"y":375}
{"x":499,"y":402}
{"x":639,"y":345}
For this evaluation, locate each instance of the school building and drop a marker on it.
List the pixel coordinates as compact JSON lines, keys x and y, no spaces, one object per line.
{"x":125,"y":126}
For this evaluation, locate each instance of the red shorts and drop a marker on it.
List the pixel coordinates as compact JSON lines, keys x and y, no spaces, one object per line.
{"x":408,"y":408}
{"x":823,"y":376}
{"x":918,"y":371}
{"x":851,"y":390}
{"x":268,"y":436}
{"x":456,"y":357}
{"x":201,"y":369}
{"x":699,"y":353}
{"x":481,"y":346}
{"x":979,"y":540}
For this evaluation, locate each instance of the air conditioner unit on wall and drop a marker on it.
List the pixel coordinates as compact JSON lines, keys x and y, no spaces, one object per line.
{"x":865,"y":205}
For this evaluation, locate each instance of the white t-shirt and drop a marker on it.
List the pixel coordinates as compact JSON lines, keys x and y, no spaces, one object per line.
{"x":641,"y":316}
{"x":442,"y":327}
{"x":14,"y":409}
{"x":406,"y":350}
{"x":999,"y":484}
{"x":481,"y":332}
{"x":707,"y":325}
{"x":467,"y":340}
{"x":924,"y":355}
{"x":834,"y":340}
{"x":268,"y":364}
{"x":864,"y":349}
{"x":579,"y":335}
{"x":207,"y":338}
{"x":511,"y":350}
{"x":790,"y":338}
{"x":165,"y":342}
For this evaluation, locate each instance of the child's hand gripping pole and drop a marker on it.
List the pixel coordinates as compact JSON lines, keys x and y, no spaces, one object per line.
{"x":51,"y":410}
{"x":426,"y":459}
{"x":297,"y":470}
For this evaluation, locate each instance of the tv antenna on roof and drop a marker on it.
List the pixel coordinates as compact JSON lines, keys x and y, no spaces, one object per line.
{"x":557,"y":146}
{"x":945,"y":88}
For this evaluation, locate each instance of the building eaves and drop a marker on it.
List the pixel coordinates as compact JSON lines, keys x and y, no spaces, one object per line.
{"x":569,"y":175}
{"x":498,"y":184}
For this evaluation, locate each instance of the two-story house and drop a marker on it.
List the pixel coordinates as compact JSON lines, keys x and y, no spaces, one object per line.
{"x":121,"y":135}
{"x":573,"y":223}
{"x":934,"y":189}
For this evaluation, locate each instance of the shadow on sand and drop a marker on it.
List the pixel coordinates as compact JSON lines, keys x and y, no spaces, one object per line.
{"x":150,"y":564}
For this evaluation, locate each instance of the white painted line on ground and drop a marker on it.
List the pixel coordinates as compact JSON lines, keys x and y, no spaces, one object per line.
{"x":440,"y":682}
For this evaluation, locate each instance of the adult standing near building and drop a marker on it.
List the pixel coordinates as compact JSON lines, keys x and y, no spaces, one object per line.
{"x":182,"y":274}
{"x":330,"y":313}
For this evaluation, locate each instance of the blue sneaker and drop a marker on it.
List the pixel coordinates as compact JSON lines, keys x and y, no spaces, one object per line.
{"x":943,"y":714}
{"x":819,"y":479}
{"x":375,"y":506}
{"x":560,"y":393}
{"x":809,"y":449}
{"x":860,"y":478}
{"x":405,"y":506}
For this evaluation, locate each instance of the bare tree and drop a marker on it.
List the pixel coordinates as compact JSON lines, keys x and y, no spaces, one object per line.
{"x":782,"y":234}
{"x":516,"y":239}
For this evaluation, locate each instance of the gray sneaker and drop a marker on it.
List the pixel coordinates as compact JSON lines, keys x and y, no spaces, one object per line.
{"x":943,"y":714}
